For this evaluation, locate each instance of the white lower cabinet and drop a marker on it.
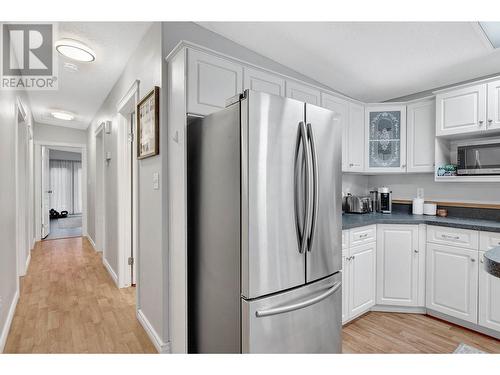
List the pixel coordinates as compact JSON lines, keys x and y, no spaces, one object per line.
{"x":452,"y":281}
{"x":358,"y":279}
{"x":398,"y":264}
{"x":489,"y":298}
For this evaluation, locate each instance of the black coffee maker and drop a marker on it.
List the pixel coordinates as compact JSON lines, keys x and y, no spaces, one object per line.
{"x":385,"y":200}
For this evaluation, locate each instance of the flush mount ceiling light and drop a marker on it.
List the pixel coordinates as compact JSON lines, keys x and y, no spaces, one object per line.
{"x":492,"y":32}
{"x":75,"y":50}
{"x":63,"y":115}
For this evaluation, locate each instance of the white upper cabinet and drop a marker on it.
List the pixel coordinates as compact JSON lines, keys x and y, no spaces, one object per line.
{"x":385,"y":149}
{"x":262,"y":81}
{"x":489,"y":298}
{"x":461,"y":111}
{"x":352,"y":118}
{"x":452,"y":281}
{"x":398,"y":265}
{"x":493,"y":120}
{"x":421,"y":125}
{"x":211,"y":80}
{"x":304,"y":93}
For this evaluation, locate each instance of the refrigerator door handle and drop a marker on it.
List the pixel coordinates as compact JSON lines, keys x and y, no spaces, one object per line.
{"x":310,"y":136}
{"x":300,"y":305}
{"x":302,"y":237}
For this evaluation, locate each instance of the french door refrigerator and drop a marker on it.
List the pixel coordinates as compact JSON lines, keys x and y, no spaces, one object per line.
{"x":264,"y":228}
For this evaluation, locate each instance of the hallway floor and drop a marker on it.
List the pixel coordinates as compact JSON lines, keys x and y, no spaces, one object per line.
{"x":69,"y":304}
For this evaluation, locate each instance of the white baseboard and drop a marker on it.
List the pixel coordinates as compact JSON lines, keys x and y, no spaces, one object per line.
{"x":8,"y":321}
{"x":110,"y":271}
{"x":28,"y":260}
{"x":161,"y":347}
{"x":91,"y":242}
{"x":399,"y":309}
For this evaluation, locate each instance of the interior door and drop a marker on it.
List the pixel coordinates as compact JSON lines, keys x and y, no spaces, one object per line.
{"x":45,"y":192}
{"x":324,"y":133}
{"x":271,"y":258}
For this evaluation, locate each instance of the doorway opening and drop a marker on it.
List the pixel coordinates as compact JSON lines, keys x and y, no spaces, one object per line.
{"x":62,"y":176}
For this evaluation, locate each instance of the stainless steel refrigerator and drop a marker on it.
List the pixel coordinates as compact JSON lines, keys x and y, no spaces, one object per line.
{"x":264,"y":228}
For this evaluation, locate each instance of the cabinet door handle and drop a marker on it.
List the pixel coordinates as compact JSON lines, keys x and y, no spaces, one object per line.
{"x":351,"y":165}
{"x":363,"y":235}
{"x":450,"y":237}
{"x":482,"y":260}
{"x":416,"y":251}
{"x":472,"y":260}
{"x":354,"y":256}
{"x":481,"y":122}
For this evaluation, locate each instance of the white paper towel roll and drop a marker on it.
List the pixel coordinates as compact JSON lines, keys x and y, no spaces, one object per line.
{"x":418,"y":206}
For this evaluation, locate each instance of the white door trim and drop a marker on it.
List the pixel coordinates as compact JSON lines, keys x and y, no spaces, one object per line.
{"x":128,"y":224}
{"x":38,"y":187}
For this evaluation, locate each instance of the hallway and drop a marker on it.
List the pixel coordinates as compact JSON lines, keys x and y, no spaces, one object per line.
{"x":69,"y":304}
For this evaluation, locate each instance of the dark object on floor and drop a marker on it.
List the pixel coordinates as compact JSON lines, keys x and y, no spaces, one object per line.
{"x":53,"y":214}
{"x":56,"y":215}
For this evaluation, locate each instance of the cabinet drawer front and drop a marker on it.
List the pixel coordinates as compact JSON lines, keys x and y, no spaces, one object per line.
{"x":488,"y":240}
{"x":465,"y":238}
{"x":345,"y":239}
{"x":362,"y":235}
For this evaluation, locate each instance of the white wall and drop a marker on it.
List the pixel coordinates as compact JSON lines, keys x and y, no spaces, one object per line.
{"x":355,"y":184}
{"x":145,"y":65}
{"x":8,"y":214}
{"x":59,"y":134}
{"x":405,"y":187}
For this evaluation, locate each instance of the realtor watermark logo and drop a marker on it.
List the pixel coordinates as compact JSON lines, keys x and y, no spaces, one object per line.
{"x":28,"y":58}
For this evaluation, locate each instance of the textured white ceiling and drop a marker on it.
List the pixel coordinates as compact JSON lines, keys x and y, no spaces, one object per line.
{"x":371,"y":61}
{"x":83,"y":92}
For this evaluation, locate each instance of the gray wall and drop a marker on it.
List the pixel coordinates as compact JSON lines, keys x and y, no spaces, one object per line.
{"x":64,"y":155}
{"x":8,"y":214}
{"x":145,"y":66}
{"x":59,"y":134}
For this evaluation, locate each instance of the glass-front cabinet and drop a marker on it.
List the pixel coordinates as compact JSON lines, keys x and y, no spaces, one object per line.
{"x":386,"y":138}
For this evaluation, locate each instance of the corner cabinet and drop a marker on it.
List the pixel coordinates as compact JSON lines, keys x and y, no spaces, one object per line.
{"x":211,"y":80}
{"x":398,"y":265}
{"x":385,"y":148}
{"x":421,"y":129}
{"x":489,"y":298}
{"x":351,"y":116}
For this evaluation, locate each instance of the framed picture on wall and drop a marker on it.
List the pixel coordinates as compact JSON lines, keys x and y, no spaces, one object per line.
{"x":148,"y":125}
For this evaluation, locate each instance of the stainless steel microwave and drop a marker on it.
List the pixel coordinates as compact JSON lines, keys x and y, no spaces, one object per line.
{"x":479,"y":159}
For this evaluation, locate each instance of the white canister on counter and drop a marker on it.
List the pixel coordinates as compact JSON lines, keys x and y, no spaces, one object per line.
{"x":430,"y":209}
{"x":418,"y":206}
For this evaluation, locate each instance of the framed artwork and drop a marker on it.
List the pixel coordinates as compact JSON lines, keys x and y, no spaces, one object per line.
{"x":148,"y":125}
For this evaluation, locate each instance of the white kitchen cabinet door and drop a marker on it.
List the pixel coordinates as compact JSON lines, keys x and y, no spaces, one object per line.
{"x":397,"y":265}
{"x":461,"y":111}
{"x":361,"y":279}
{"x":345,"y":287}
{"x":452,"y":281}
{"x":421,"y":131}
{"x":355,"y":139}
{"x":259,"y":80}
{"x":304,"y":93}
{"x":489,"y":298}
{"x":211,"y":80}
{"x":493,"y":120}
{"x":341,"y":108}
{"x":385,"y":149}
{"x":488,"y":240}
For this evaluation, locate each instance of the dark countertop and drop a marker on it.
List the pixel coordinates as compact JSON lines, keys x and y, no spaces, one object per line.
{"x":492,"y":261}
{"x":358,"y":220}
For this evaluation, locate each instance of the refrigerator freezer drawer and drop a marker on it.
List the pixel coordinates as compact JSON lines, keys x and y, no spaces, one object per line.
{"x":303,"y":320}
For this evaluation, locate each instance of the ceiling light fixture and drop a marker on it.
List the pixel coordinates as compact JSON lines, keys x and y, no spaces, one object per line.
{"x":492,"y":32}
{"x":63,"y":115}
{"x":75,"y":50}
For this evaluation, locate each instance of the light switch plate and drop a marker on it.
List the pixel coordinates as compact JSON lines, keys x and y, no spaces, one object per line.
{"x":156,"y":181}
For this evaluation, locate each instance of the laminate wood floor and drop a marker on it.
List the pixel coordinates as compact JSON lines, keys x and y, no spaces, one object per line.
{"x":380,"y":332}
{"x":70,"y":304}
